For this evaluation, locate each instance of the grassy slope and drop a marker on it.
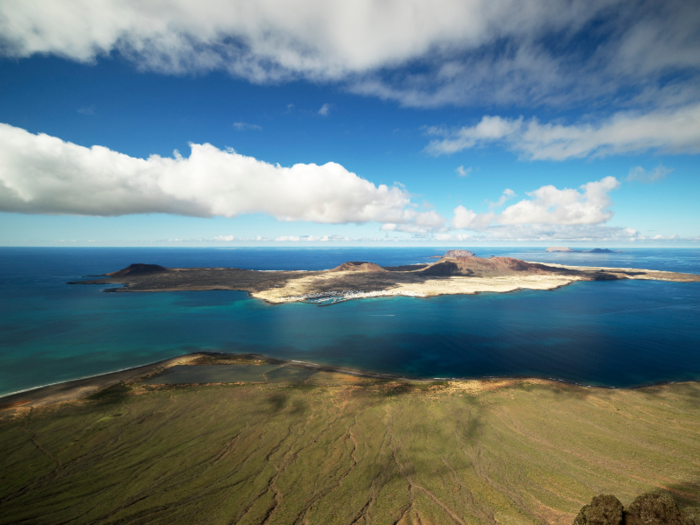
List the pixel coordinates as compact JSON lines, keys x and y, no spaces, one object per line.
{"x":514,"y":452}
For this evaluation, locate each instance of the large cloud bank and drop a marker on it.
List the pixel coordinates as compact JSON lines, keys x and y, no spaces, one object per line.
{"x":467,"y":51}
{"x":43,"y":174}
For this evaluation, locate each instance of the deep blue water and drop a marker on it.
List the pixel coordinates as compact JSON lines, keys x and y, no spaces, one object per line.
{"x":621,"y":333}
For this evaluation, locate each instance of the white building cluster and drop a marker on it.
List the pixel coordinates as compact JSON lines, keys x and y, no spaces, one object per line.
{"x":345,"y":295}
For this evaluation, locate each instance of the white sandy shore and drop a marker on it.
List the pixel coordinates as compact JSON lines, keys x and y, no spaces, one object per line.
{"x":294,"y":291}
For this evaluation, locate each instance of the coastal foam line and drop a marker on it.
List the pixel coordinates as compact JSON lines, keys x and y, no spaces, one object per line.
{"x":346,"y":295}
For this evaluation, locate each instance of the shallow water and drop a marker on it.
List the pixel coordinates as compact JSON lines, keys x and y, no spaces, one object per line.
{"x":619,"y":333}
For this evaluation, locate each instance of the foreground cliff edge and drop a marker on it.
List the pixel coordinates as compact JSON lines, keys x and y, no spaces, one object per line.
{"x":222,"y":438}
{"x":356,"y":280}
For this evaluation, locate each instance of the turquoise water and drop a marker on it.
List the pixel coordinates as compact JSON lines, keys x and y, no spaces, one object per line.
{"x":621,"y":333}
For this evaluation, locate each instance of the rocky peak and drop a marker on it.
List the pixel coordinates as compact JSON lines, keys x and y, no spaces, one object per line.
{"x":459,"y":253}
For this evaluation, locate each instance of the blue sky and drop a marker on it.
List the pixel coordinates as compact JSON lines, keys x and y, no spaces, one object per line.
{"x":450,"y":122}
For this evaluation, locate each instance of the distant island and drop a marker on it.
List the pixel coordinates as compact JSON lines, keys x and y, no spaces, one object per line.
{"x":554,"y":249}
{"x":454,"y":253}
{"x":360,"y":279}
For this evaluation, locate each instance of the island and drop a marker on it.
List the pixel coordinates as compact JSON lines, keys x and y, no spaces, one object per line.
{"x":455,"y":253}
{"x":557,"y":249}
{"x":360,"y":279}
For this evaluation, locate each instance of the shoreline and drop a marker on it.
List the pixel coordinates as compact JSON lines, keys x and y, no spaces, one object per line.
{"x":80,"y":388}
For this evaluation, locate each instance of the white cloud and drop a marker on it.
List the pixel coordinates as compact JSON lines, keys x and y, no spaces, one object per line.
{"x":507,"y":194}
{"x":325,"y":110}
{"x":500,"y":51}
{"x":462,"y":172}
{"x":447,"y":237}
{"x":417,"y":222}
{"x":313,"y":238}
{"x":43,"y":174}
{"x":668,"y":131}
{"x":270,"y":39}
{"x":547,"y":233}
{"x":242,"y":126}
{"x":546,"y":206}
{"x":639,"y":174}
{"x":550,"y":205}
{"x":224,"y":238}
{"x":463,"y":218}
{"x":288,"y":238}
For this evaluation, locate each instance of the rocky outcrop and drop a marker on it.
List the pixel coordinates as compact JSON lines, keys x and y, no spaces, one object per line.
{"x":139,"y":269}
{"x":358,"y":266}
{"x":603,"y":510}
{"x":649,"y":508}
{"x":459,"y":253}
{"x":653,"y":509}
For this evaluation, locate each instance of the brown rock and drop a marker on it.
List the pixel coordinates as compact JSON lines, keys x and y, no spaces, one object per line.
{"x":358,"y":266}
{"x":603,"y":510}
{"x":653,"y":509}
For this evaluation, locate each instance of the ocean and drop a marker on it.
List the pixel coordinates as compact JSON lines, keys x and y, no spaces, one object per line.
{"x":616,"y":334}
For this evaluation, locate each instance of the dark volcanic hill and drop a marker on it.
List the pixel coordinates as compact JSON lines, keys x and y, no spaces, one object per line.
{"x":495,"y":266}
{"x":139,"y":269}
{"x":358,"y":266}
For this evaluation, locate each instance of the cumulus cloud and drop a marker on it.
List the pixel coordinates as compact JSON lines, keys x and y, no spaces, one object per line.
{"x":639,"y":174}
{"x":471,"y":51}
{"x":465,"y":219}
{"x":546,"y":205}
{"x":43,"y":174}
{"x":462,"y":172}
{"x":667,"y":131}
{"x":325,"y":110}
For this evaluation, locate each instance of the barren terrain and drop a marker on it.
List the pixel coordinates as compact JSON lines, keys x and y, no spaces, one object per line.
{"x":449,"y":275}
{"x":338,"y":448}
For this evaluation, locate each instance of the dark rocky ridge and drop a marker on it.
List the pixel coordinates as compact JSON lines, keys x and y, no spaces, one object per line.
{"x":139,"y":269}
